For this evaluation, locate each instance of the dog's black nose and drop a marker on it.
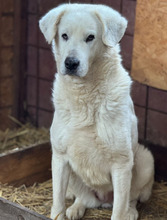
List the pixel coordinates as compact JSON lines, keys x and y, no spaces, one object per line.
{"x":71,"y":63}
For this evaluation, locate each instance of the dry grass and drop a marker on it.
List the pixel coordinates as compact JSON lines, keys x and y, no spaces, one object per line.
{"x":23,"y":136}
{"x":39,"y":198}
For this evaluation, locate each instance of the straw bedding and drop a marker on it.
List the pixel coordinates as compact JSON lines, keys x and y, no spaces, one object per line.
{"x":39,"y":198}
{"x":21,"y":137}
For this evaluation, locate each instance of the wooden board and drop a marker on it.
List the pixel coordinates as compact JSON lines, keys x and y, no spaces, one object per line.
{"x":26,"y":166}
{"x":13,"y":211}
{"x":149,"y":63}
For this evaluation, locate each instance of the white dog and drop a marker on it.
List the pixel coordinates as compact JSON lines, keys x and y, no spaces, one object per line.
{"x":94,"y":131}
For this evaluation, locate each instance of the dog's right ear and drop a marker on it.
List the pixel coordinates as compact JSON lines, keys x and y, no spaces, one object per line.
{"x":48,"y":23}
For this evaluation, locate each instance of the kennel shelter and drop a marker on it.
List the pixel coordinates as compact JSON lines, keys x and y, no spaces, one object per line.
{"x":27,"y":71}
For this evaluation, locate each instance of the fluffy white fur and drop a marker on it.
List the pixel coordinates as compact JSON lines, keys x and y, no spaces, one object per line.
{"x":94,"y":133}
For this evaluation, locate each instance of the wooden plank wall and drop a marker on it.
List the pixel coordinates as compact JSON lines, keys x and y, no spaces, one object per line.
{"x":149,"y":64}
{"x":6,"y":61}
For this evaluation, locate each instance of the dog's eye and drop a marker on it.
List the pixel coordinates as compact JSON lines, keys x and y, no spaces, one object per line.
{"x":90,"y":38}
{"x":65,"y":36}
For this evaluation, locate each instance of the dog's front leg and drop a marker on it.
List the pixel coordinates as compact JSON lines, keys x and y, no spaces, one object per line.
{"x":121,"y":178}
{"x":60,"y":177}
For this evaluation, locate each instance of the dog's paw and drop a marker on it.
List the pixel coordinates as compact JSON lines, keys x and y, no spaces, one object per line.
{"x":56,"y":216}
{"x":132,"y":215}
{"x":76,"y":211}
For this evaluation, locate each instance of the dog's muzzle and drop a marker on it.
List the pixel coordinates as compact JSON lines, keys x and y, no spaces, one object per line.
{"x":71,"y":64}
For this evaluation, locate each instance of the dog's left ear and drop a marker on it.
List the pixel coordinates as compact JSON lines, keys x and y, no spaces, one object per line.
{"x":113,"y":24}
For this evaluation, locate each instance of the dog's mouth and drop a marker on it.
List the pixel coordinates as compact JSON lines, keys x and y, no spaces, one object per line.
{"x":72,"y":73}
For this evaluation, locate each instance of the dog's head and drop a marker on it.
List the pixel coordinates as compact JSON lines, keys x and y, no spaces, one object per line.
{"x":80,"y":33}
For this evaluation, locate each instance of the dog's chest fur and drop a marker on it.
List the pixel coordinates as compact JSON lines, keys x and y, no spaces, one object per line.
{"x":83,"y":120}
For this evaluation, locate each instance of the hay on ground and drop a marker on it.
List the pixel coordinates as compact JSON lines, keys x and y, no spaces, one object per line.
{"x":39,"y":198}
{"x":21,"y":137}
